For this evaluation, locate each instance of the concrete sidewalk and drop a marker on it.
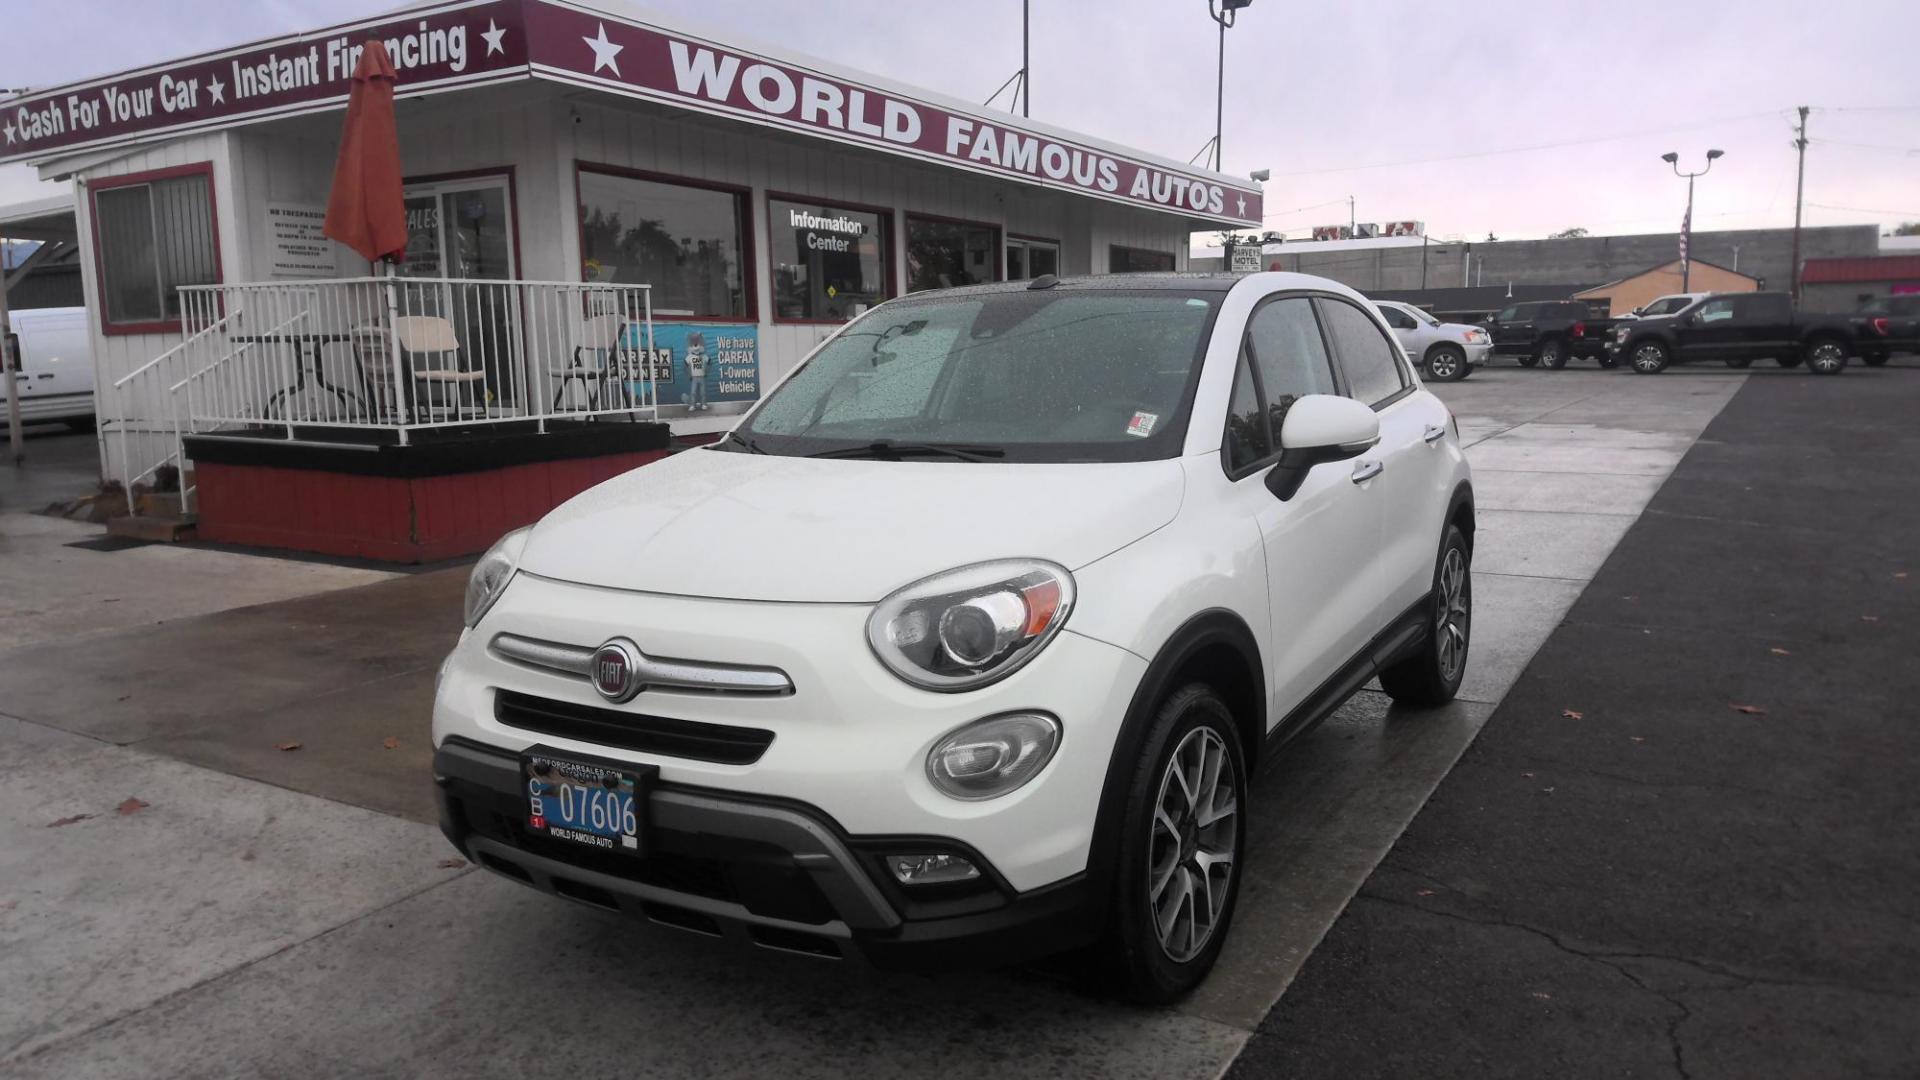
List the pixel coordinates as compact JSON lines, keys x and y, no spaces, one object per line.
{"x":1683,"y":845}
{"x":393,"y":980}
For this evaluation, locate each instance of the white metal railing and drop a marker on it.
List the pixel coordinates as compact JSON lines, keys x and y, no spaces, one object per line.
{"x":143,"y":412}
{"x":403,"y":354}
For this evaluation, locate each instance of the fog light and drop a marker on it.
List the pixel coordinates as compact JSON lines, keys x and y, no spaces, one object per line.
{"x":992,"y":757}
{"x":930,"y":869}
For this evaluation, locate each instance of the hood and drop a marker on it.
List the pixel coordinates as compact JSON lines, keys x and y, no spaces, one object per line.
{"x":765,"y":527}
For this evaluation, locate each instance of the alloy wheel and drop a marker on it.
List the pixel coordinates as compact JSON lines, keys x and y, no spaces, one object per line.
{"x":1443,"y":364}
{"x":1648,"y":358}
{"x":1827,"y":357}
{"x":1452,"y":619}
{"x":1195,"y":831}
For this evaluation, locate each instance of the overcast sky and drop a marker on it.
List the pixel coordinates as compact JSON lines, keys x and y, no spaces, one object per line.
{"x":1420,"y":110}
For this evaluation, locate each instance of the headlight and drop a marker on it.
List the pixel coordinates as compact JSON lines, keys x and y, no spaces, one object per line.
{"x":491,"y":574}
{"x":988,"y":758}
{"x":972,"y":626}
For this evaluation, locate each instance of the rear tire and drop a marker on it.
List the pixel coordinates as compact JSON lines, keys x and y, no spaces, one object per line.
{"x":1552,"y":354}
{"x":1432,"y":676}
{"x":1446,"y":364}
{"x":1185,"y":833}
{"x":1649,"y":358}
{"x":1826,"y":356}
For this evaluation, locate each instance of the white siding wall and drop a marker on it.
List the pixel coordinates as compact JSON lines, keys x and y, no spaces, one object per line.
{"x":541,"y":131}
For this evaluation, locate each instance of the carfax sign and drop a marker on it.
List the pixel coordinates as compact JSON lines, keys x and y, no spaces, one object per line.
{"x":696,"y":366}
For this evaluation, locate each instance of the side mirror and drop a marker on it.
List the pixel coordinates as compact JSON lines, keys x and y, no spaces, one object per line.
{"x":1320,"y":428}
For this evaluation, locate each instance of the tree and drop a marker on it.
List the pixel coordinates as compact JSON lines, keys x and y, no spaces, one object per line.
{"x":1907,"y":228}
{"x":1574,"y":233}
{"x":1492,"y":238}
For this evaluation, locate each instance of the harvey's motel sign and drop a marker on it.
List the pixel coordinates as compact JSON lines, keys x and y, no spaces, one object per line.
{"x":453,"y":46}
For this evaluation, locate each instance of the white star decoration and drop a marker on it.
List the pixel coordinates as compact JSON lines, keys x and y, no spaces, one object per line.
{"x":1241,"y":202}
{"x":9,"y":134}
{"x":218,"y":90}
{"x":492,"y":38}
{"x":604,"y":52}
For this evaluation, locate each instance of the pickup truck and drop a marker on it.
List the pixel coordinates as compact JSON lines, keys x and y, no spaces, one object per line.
{"x":1886,"y":325}
{"x":1737,"y":328}
{"x":1549,"y":332}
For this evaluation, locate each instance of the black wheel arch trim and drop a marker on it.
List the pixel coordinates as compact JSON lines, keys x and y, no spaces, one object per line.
{"x":1213,"y":627}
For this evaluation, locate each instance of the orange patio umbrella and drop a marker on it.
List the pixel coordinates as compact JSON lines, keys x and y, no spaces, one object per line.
{"x":366,"y":211}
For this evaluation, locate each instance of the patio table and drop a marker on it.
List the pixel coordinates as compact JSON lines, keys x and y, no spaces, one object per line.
{"x":306,"y":362}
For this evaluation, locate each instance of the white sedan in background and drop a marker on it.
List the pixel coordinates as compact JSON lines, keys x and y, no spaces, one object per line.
{"x":1446,"y":352}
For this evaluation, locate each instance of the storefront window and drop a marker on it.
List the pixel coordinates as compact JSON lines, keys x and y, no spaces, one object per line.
{"x":155,"y":236}
{"x":829,"y":262}
{"x":1131,"y":260}
{"x":687,"y":242}
{"x":942,"y":254}
{"x":1031,"y":258}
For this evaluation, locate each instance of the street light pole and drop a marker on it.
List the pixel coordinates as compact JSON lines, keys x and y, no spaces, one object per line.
{"x":1223,"y":12}
{"x":1686,"y":232}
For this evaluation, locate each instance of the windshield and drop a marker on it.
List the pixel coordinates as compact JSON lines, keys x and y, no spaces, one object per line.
{"x":1049,"y":375}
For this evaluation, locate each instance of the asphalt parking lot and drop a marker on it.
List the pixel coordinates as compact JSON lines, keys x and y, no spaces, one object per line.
{"x":293,"y":912}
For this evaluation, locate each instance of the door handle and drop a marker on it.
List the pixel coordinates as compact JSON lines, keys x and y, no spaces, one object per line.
{"x":1366,"y":470}
{"x":1434,"y":432}
{"x":47,"y":375}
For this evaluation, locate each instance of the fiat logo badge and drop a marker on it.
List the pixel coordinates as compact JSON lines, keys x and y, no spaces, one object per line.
{"x":612,"y":671}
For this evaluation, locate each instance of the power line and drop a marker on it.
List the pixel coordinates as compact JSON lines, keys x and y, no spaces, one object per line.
{"x":1538,"y":146}
{"x":1866,"y":210}
{"x":1867,"y":145}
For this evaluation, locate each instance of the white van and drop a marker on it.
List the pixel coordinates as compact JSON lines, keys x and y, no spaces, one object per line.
{"x":55,"y":359}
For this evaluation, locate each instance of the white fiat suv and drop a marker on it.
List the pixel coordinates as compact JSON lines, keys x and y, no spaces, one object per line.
{"x":963,"y":646}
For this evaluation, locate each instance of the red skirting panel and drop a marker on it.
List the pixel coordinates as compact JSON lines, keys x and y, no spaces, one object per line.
{"x":409,"y":520}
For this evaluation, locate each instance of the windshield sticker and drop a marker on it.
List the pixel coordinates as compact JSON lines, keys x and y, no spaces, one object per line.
{"x":1142,"y":423}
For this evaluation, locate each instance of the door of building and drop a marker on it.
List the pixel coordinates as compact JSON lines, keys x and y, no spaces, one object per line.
{"x":459,"y":236}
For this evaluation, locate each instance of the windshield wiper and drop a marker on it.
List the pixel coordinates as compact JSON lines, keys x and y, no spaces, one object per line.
{"x":750,"y":446}
{"x":884,"y":449}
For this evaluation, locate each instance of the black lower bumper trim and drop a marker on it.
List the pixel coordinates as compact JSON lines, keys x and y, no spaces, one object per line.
{"x":770,"y":873}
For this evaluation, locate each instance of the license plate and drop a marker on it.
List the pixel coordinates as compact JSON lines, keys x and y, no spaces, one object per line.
{"x":597,"y":805}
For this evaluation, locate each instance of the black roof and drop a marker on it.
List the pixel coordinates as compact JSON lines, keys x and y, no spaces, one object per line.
{"x":1476,"y":298}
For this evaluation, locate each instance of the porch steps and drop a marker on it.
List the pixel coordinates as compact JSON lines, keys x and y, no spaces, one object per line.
{"x":165,"y":528}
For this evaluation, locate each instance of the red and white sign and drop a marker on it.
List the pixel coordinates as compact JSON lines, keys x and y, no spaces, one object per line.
{"x":448,"y":46}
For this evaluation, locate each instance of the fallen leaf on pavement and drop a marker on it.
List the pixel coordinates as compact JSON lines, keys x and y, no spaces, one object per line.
{"x":391,"y":743}
{"x":1423,"y":892}
{"x":1572,"y":715}
{"x":1543,"y":995}
{"x":1526,"y":776}
{"x":1778,"y":651}
{"x":1548,"y":790}
{"x":286,"y":746}
{"x":451,"y":864}
{"x":57,"y":822}
{"x":131,"y":806}
{"x":1750,"y":710}
{"x":1638,"y":738}
{"x":1869,"y":618}
{"x":1900,"y":575}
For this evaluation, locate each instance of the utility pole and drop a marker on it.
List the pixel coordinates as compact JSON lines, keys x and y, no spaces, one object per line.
{"x":1423,"y":260}
{"x":1350,"y":225}
{"x":1026,"y":63}
{"x":1799,"y":191}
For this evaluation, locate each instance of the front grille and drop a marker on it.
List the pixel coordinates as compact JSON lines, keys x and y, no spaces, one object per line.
{"x":721,"y":743}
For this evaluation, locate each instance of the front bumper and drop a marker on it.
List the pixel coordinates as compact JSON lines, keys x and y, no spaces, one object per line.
{"x":1478,"y":355}
{"x":773,"y":873}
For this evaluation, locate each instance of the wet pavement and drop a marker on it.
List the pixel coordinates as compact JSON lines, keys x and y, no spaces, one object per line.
{"x":1681,"y":846}
{"x":394,"y":965}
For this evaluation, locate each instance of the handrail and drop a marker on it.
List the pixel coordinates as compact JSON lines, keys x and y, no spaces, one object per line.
{"x":244,"y":346}
{"x":197,"y":335}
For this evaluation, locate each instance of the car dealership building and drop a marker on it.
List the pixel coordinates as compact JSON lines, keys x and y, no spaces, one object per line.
{"x":585,"y":185}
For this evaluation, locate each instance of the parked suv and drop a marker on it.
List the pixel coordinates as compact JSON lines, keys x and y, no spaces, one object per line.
{"x":1549,"y":333}
{"x":1737,"y":329}
{"x":1446,"y":352}
{"x":964,"y":645}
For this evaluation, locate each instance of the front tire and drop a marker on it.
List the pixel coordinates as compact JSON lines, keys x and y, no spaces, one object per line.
{"x":1826,"y":357}
{"x":1649,"y":358}
{"x":1432,"y":676}
{"x":1446,"y":364}
{"x":1181,"y":843}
